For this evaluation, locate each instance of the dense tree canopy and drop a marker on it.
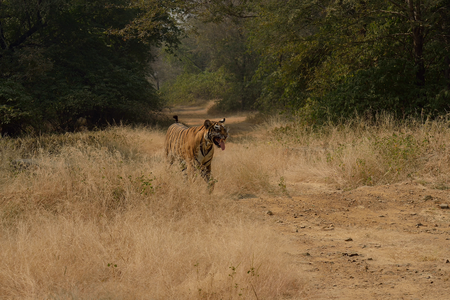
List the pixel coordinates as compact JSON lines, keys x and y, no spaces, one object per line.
{"x":64,"y":61}
{"x":343,"y":57}
{"x":334,"y":59}
{"x":217,"y":47}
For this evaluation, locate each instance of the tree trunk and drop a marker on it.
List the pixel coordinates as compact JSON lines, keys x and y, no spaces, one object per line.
{"x":415,"y":17}
{"x":3,"y":44}
{"x":447,"y":71}
{"x":418,"y":55}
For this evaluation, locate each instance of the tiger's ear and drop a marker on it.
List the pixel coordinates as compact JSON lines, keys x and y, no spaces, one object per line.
{"x":222,"y":121}
{"x":207,"y":123}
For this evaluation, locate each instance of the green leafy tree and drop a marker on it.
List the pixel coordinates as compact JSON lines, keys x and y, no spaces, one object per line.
{"x":217,"y":46}
{"x":64,"y":60}
{"x":395,"y":56}
{"x":230,"y":51}
{"x":344,"y":57}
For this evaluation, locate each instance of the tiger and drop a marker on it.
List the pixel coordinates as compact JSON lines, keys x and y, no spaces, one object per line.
{"x":195,"y":146}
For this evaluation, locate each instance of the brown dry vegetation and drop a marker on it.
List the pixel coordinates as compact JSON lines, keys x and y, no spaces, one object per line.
{"x":101,"y":215}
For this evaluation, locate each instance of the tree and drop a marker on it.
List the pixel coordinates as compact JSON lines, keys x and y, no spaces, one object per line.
{"x":63,"y":60}
{"x":217,"y":45}
{"x":342,"y":57}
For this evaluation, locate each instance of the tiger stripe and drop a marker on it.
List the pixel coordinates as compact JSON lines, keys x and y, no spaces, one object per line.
{"x":195,"y":145}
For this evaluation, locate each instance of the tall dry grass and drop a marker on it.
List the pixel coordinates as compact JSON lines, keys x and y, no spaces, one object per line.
{"x":100,"y":215}
{"x":367,"y":152}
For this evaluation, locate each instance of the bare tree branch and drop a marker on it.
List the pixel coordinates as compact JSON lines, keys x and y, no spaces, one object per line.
{"x":392,"y":12}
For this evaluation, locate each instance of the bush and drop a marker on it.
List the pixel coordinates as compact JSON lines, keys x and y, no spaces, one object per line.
{"x":65,"y":61}
{"x":15,"y":107}
{"x":390,"y":86}
{"x":190,"y":88}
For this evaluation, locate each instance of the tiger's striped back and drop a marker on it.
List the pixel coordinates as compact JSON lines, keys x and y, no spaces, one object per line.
{"x":177,"y":138}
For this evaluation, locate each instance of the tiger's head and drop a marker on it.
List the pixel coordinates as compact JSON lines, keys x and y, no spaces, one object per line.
{"x":216,"y":133}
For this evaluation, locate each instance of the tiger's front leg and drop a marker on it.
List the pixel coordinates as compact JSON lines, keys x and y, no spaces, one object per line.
{"x":191,"y":170}
{"x":206,"y":174}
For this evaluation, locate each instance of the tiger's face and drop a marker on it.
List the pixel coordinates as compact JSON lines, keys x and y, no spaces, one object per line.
{"x":216,"y":133}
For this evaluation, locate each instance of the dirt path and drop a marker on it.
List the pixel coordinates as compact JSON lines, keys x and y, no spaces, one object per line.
{"x":382,"y":242}
{"x":195,"y":116}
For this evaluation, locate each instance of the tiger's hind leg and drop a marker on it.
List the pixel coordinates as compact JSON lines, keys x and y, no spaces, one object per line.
{"x":183,"y":167}
{"x":170,"y":158}
{"x":190,"y":170}
{"x":210,"y":181}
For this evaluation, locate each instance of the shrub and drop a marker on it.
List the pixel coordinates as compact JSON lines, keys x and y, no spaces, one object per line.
{"x":191,"y":88}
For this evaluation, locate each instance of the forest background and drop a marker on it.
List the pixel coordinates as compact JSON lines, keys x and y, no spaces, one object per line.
{"x":69,"y":63}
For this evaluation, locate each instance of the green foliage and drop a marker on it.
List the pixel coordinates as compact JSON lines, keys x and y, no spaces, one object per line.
{"x":389,"y":86}
{"x":190,"y":87}
{"x":219,"y":47}
{"x":334,"y":59}
{"x":146,"y":185}
{"x":328,"y":60}
{"x":290,"y":56}
{"x":66,"y":60}
{"x":242,"y":95}
{"x":282,"y":185}
{"x":13,"y":106}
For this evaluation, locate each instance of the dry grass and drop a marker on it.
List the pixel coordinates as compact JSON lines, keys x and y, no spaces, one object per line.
{"x":361,"y":153}
{"x":99,"y":215}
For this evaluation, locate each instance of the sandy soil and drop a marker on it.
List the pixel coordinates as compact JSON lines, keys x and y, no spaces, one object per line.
{"x":381,"y":242}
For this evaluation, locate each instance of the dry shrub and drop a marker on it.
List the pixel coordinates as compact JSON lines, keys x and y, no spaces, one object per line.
{"x":101,"y":215}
